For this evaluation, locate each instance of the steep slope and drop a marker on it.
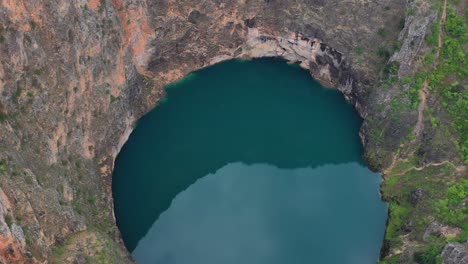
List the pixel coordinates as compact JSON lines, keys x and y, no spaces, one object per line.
{"x":76,"y":75}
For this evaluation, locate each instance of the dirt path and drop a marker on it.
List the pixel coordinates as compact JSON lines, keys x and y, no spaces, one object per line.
{"x":422,"y":106}
{"x":423,"y":94}
{"x":441,"y":27}
{"x":432,"y":164}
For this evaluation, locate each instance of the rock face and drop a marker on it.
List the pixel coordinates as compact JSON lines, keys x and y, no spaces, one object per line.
{"x":12,"y":241}
{"x":455,"y":253}
{"x":76,"y":75}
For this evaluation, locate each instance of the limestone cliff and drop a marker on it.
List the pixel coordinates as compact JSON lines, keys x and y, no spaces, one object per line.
{"x":76,"y":75}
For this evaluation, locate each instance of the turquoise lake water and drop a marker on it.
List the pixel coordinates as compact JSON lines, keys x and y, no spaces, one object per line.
{"x":248,"y":162}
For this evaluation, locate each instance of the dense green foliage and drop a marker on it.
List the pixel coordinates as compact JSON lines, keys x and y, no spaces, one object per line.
{"x":429,"y":255}
{"x":398,"y":214}
{"x":449,"y":208}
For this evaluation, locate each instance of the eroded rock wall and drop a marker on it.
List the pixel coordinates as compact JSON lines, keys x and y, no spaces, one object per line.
{"x":76,"y":75}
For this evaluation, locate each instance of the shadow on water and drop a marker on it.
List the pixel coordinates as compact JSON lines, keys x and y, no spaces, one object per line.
{"x":261,"y":111}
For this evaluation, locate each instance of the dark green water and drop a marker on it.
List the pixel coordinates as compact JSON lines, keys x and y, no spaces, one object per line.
{"x":248,"y":162}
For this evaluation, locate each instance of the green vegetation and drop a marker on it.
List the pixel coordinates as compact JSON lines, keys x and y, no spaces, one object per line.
{"x":28,"y":236}
{"x":3,"y":167}
{"x":40,"y":180}
{"x":446,"y":77}
{"x":452,"y":67}
{"x":398,"y":215}
{"x":103,"y":257}
{"x":432,"y":39}
{"x":429,"y":254}
{"x":16,"y":95}
{"x":33,"y":24}
{"x":409,"y":11}
{"x":2,"y":38}
{"x":383,"y":53}
{"x":38,"y":72}
{"x":450,"y":209}
{"x":8,"y":220}
{"x":58,"y":250}
{"x":435,"y":122}
{"x":113,"y":98}
{"x":359,"y":50}
{"x":91,"y":199}
{"x":415,"y":87}
{"x":28,"y":180}
{"x":382,"y":32}
{"x":78,"y":207}
{"x":416,"y":197}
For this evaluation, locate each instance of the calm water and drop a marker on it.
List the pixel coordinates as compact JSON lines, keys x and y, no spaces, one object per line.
{"x":248,"y":162}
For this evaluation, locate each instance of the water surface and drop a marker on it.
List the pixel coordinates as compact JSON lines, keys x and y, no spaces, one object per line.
{"x":248,"y":162}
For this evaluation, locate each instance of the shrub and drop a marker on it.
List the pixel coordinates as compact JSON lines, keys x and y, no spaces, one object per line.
{"x":2,"y":167}
{"x":448,"y":208}
{"x":454,"y":25}
{"x":8,"y":220}
{"x":91,"y":199}
{"x":435,"y":122}
{"x":429,"y":255}
{"x":383,"y":53}
{"x":359,"y":50}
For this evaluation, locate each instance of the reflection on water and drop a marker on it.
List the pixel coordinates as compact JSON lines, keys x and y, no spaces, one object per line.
{"x":262,"y":214}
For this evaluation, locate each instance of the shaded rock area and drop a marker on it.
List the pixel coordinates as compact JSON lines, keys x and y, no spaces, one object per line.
{"x":416,"y":196}
{"x":432,"y":230}
{"x":76,"y":75}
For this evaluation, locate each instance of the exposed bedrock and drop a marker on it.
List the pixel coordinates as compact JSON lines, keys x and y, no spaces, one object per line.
{"x":455,"y":253}
{"x":76,"y":75}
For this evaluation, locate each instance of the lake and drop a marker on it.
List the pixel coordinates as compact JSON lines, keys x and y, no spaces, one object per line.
{"x":248,"y":162}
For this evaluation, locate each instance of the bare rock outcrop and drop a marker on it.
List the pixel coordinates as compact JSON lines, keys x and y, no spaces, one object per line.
{"x":12,"y":240}
{"x":455,"y":253}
